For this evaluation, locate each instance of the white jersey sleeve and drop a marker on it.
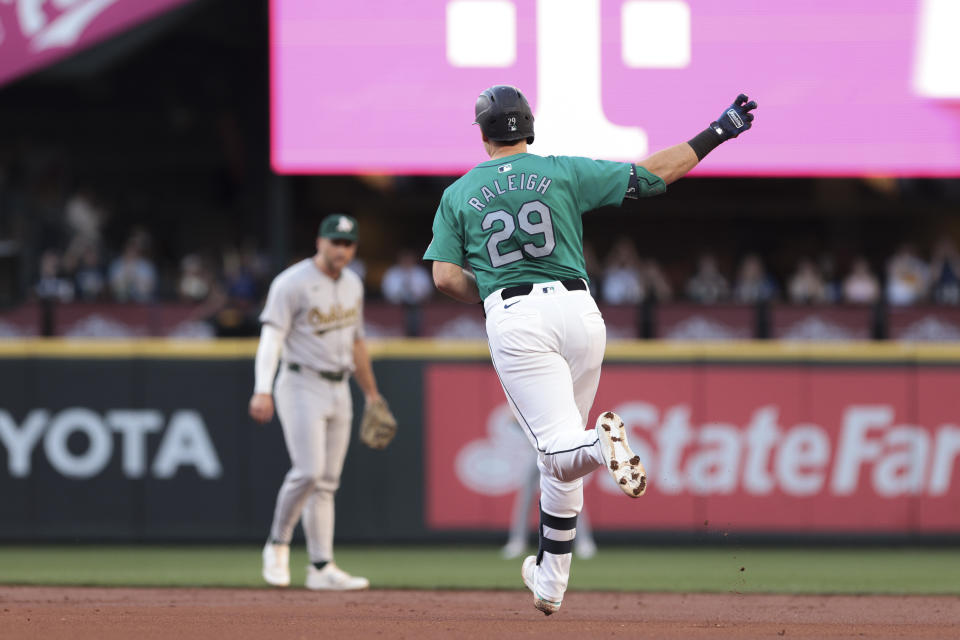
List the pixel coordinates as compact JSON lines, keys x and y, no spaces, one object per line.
{"x":268,"y":357}
{"x":359,"y":334}
{"x":281,"y":304}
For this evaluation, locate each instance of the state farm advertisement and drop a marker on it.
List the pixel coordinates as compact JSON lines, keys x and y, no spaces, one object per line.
{"x":738,"y":448}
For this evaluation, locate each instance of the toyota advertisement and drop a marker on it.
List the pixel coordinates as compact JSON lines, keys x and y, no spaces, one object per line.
{"x":783,"y":448}
{"x":846,"y":87}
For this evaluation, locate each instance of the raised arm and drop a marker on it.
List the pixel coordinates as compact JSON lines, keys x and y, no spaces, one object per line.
{"x":674,"y":162}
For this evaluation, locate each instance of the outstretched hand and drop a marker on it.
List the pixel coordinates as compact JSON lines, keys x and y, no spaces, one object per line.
{"x":735,"y":119}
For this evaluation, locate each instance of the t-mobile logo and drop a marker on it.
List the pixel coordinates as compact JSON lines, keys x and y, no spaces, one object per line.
{"x":569,"y":112}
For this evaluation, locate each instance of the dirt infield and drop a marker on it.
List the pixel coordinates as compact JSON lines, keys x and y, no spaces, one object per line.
{"x":240,"y":614}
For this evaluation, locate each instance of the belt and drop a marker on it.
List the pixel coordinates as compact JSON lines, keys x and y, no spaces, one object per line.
{"x":333,"y":376}
{"x":574,"y":284}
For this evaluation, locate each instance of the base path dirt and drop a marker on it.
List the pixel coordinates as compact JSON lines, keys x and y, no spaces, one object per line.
{"x":240,"y":614}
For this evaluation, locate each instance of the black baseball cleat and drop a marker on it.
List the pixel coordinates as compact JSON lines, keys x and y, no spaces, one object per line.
{"x":622,"y":463}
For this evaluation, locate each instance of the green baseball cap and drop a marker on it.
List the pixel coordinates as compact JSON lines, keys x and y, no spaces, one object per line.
{"x":339,"y":226}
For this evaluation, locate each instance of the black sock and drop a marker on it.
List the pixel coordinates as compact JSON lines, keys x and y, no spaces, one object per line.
{"x":556,"y":547}
{"x":275,"y":541}
{"x":320,"y":565}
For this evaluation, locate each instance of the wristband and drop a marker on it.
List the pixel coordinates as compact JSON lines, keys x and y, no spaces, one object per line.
{"x":633,"y":188}
{"x":705,"y":142}
{"x":643,"y":184}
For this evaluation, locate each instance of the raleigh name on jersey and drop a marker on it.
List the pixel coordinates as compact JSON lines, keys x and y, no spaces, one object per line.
{"x":512,"y":182}
{"x":516,"y":219}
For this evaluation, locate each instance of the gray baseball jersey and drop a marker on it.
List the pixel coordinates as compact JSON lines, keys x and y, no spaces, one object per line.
{"x":320,"y":317}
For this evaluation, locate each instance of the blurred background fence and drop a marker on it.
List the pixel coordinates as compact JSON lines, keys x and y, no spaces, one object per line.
{"x":648,"y":320}
{"x":149,"y":441}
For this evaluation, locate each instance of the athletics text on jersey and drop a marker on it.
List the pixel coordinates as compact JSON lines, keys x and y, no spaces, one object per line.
{"x":320,"y":317}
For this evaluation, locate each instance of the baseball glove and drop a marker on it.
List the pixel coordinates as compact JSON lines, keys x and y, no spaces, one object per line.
{"x":378,"y":425}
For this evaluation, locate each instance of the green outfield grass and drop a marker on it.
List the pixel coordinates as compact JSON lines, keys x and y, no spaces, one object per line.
{"x":709,"y":569}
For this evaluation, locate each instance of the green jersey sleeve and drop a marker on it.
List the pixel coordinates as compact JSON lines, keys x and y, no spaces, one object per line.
{"x":602,"y":182}
{"x":648,"y":184}
{"x":447,"y":244}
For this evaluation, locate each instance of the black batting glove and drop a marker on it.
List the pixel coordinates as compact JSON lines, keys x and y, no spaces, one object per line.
{"x":732,"y":122}
{"x":735,"y":119}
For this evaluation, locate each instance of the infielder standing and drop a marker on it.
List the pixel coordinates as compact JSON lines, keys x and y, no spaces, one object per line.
{"x":314,"y":313}
{"x":508,"y":234}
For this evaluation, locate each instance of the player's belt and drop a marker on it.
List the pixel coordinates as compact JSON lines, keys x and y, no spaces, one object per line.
{"x":575,"y":284}
{"x":333,"y":376}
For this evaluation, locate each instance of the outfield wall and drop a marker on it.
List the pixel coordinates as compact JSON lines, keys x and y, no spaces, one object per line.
{"x":149,"y":440}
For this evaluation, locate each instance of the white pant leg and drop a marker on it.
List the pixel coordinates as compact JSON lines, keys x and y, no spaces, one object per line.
{"x":582,"y":348}
{"x":299,"y":405}
{"x":585,"y":361}
{"x":532,"y":345}
{"x":548,"y":350}
{"x":318,"y":513}
{"x":315,"y":415}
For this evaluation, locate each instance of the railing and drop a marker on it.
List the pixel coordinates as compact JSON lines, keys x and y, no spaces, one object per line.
{"x":441,"y":319}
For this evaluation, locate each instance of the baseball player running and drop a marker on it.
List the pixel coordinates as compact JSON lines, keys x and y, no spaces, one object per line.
{"x":508,"y":234}
{"x":314,"y":313}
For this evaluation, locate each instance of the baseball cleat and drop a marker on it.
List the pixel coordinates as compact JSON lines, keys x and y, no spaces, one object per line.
{"x":276,"y":564}
{"x":622,"y":463}
{"x":333,"y":578}
{"x":528,"y":571}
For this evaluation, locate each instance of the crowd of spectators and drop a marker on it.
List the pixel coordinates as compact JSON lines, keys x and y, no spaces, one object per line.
{"x":626,"y":278}
{"x":78,"y":264}
{"x":233,"y":280}
{"x":239,"y":276}
{"x":85,"y":275}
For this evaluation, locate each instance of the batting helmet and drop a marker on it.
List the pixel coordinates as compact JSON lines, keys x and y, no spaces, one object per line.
{"x":504,"y":114}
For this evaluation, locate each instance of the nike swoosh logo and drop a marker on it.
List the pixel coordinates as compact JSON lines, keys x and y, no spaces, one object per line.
{"x":507,"y":306}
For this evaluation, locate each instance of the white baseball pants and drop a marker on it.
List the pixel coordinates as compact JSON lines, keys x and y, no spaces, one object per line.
{"x":316,"y":415}
{"x":547,"y":348}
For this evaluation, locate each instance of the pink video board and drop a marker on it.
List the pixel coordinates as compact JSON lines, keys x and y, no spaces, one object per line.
{"x":846,"y":87}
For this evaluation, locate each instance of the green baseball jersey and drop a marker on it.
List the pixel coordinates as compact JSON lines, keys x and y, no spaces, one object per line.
{"x":516,"y":219}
